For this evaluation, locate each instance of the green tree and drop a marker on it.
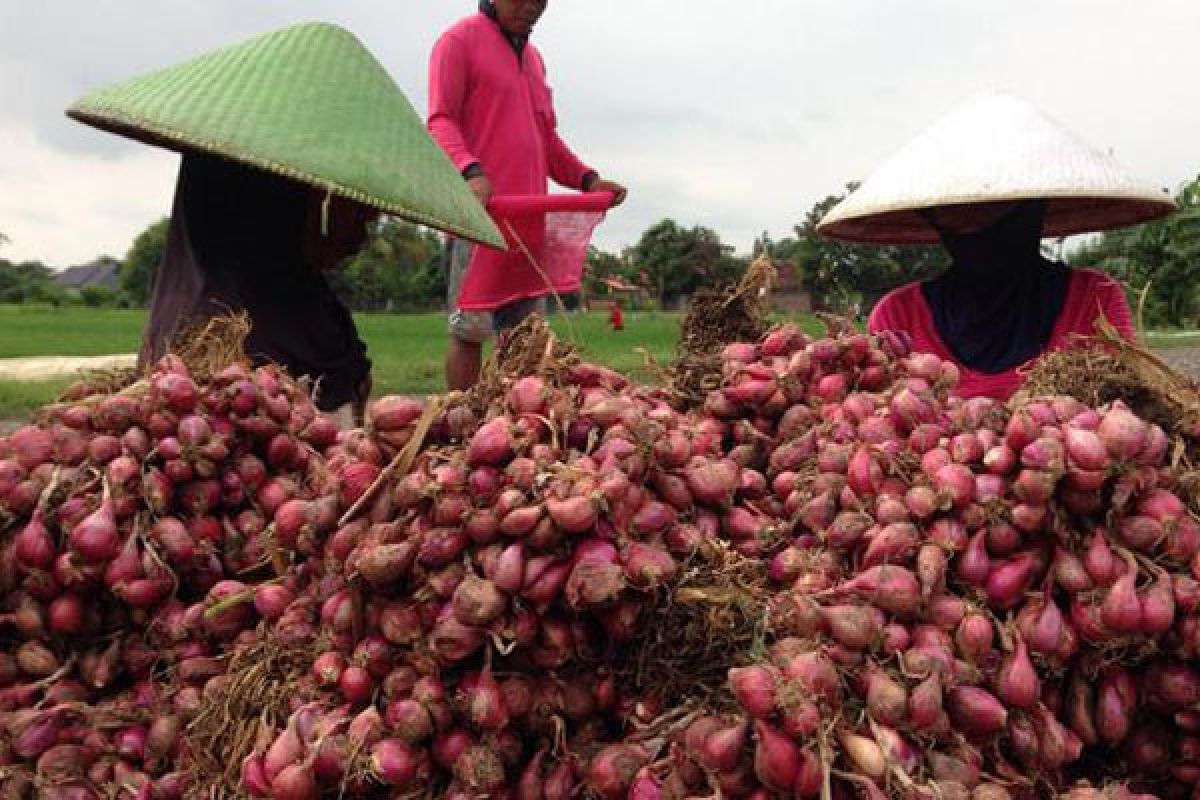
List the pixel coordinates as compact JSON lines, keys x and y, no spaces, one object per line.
{"x":676,"y":260}
{"x":1161,"y":258}
{"x":28,"y":281}
{"x":140,"y":266}
{"x":839,"y":274}
{"x":97,"y":296}
{"x":398,"y":269}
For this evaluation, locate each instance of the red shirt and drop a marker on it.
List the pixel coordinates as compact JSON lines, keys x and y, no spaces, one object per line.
{"x":491,"y":106}
{"x":1090,"y":294}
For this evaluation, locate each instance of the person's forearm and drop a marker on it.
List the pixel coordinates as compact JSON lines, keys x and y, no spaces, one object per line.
{"x":566,"y":168}
{"x":447,"y":133}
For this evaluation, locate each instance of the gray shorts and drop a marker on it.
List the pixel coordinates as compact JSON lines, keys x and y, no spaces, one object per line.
{"x":479,"y":326}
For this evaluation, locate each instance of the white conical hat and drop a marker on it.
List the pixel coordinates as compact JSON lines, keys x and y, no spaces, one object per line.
{"x":994,"y":148}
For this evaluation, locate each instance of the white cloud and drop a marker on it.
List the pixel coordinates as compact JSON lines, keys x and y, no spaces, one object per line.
{"x":65,"y":208}
{"x":738,"y":116}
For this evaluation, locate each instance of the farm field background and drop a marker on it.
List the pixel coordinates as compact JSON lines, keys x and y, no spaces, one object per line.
{"x":406,"y":349}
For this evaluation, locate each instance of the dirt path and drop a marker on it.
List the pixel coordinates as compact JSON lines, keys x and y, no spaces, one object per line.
{"x":47,"y":367}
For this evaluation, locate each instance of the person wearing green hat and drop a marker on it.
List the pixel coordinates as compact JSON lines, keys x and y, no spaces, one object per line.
{"x":492,"y":111}
{"x":243,"y":239}
{"x":271,"y":194}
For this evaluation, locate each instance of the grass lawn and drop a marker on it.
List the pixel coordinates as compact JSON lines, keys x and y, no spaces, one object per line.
{"x":43,"y":331}
{"x":1161,"y":339}
{"x":407,"y":350}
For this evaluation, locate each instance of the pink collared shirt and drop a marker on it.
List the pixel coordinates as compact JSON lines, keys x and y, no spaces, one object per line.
{"x":487,"y":105}
{"x":1089,"y":294}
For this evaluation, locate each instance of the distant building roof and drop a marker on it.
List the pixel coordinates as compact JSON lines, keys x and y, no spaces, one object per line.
{"x":616,"y":284}
{"x":104,"y":272}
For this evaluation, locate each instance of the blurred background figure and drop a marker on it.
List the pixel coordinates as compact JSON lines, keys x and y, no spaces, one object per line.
{"x":615,"y":317}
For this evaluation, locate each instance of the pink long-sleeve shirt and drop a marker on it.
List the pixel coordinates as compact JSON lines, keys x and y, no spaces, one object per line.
{"x":1090,"y":294}
{"x":492,"y":107}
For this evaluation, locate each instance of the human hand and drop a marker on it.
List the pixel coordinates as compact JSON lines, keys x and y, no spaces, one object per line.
{"x":602,"y":185}
{"x":482,"y":188}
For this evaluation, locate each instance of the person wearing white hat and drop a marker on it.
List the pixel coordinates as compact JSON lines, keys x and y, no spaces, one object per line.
{"x":988,"y":182}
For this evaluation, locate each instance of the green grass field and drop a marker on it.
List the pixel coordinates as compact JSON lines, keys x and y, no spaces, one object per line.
{"x":406,"y":349}
{"x":43,"y":331}
{"x":1161,"y":339}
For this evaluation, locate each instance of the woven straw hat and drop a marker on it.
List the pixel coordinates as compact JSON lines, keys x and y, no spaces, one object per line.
{"x":994,"y":148}
{"x":308,"y":102}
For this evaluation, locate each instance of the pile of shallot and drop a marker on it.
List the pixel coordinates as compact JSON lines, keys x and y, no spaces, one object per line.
{"x":139,"y":524}
{"x":980,"y":602}
{"x":209,"y":585}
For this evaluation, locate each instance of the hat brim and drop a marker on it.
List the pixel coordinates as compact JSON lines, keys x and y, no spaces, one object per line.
{"x":157,"y":136}
{"x":993,"y":149}
{"x":1066,"y":214}
{"x":308,"y":102}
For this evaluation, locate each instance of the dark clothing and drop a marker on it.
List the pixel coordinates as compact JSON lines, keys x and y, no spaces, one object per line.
{"x":996,"y":307}
{"x":236,"y":243}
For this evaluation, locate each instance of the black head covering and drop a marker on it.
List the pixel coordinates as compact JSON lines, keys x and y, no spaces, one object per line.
{"x":995,"y":308}
{"x":236,"y":242}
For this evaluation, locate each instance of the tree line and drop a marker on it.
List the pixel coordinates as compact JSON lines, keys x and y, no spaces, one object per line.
{"x":1159,"y":263}
{"x":400,"y":268}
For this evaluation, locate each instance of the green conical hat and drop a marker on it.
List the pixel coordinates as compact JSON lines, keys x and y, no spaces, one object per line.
{"x":309,"y":102}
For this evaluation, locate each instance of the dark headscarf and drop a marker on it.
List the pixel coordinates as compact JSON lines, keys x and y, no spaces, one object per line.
{"x":236,"y":242}
{"x":996,"y":306}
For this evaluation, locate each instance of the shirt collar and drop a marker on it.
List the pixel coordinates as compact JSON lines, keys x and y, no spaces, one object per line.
{"x":488,"y":9}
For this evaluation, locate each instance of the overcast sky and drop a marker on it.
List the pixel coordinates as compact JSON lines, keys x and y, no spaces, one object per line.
{"x":736,"y":114}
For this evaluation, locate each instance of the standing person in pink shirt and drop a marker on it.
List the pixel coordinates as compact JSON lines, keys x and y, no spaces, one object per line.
{"x":493,"y":113}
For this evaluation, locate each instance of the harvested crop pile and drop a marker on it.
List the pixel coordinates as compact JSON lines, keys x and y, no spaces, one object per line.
{"x":716,"y":317}
{"x":830,"y":579}
{"x":1108,"y":369}
{"x":203,"y":349}
{"x":140,"y":527}
{"x":209,"y":346}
